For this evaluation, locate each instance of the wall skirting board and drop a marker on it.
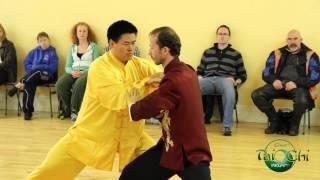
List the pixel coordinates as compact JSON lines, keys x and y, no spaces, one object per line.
{"x":245,"y":113}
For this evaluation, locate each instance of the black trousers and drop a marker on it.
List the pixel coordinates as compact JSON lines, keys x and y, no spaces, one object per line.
{"x":147,"y":167}
{"x":263,"y":97}
{"x":3,"y":76}
{"x":31,"y":81}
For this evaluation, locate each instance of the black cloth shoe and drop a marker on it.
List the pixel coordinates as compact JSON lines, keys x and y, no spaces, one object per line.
{"x":294,"y":127}
{"x":294,"y":131}
{"x":27,"y":116}
{"x":227,"y":131}
{"x":13,"y":91}
{"x":273,"y":126}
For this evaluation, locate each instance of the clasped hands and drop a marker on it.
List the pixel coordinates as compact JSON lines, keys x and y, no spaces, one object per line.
{"x":277,"y":84}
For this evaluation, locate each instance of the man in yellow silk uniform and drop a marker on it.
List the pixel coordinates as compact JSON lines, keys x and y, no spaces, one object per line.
{"x":103,"y":127}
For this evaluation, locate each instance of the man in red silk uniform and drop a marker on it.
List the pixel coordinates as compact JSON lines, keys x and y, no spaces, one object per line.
{"x":183,"y":148}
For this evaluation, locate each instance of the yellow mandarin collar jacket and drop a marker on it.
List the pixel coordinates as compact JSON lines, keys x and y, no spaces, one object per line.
{"x":103,"y":127}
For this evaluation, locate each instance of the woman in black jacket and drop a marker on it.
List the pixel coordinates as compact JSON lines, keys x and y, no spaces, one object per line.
{"x":8,"y":59}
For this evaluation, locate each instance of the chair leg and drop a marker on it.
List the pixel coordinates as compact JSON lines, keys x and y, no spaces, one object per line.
{"x":304,"y":123}
{"x":220,"y":106}
{"x":50,"y":93}
{"x":308,"y":119}
{"x":236,"y":110}
{"x":19,"y":105}
{"x":6,"y":108}
{"x":207,"y":103}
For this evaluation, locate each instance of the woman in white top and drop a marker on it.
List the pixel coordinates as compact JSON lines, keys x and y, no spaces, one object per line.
{"x":71,"y":86}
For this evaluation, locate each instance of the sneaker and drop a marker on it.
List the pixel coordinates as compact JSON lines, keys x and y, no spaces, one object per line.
{"x":74,"y":116}
{"x":227,"y":131}
{"x":62,"y":115}
{"x":27,"y":116}
{"x":13,"y":91}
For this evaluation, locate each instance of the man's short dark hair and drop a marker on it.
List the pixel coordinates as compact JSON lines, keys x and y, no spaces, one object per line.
{"x":167,"y":37}
{"x":41,"y":35}
{"x":118,"y":28}
{"x":224,"y":26}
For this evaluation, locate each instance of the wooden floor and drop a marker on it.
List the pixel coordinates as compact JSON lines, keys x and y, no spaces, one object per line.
{"x":24,"y":144}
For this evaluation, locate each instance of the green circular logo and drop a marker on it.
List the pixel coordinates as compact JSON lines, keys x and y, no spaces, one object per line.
{"x":279,"y":155}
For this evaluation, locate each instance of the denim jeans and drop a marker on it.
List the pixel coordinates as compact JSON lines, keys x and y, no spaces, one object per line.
{"x":223,"y":86}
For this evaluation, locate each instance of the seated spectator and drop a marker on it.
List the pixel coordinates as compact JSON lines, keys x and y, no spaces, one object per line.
{"x":71,"y":86}
{"x":40,"y":65}
{"x":221,"y":68}
{"x":291,"y":72}
{"x":8,"y":59}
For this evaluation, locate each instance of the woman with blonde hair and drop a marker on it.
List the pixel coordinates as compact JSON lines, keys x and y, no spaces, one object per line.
{"x":71,"y":86}
{"x":8,"y":59}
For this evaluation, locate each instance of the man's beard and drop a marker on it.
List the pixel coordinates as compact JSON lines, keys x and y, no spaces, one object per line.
{"x":293,"y":48}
